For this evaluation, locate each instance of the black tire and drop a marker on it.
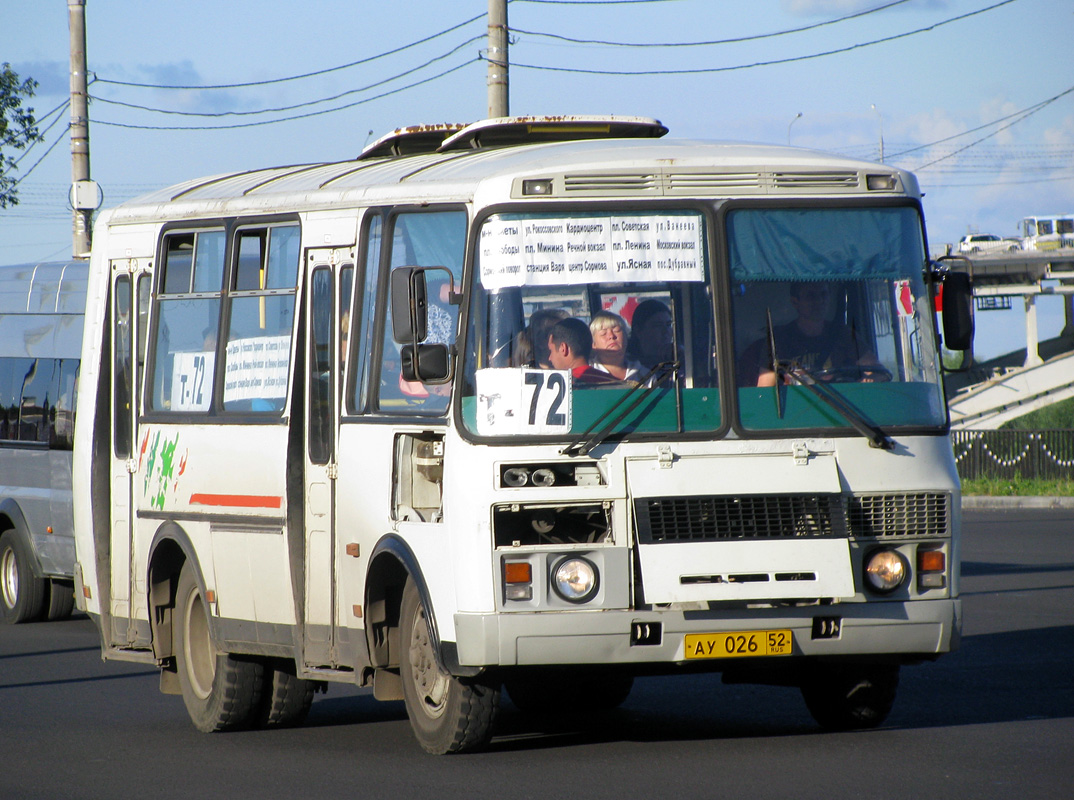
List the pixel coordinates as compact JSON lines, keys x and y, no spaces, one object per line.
{"x":22,"y":594}
{"x":448,"y":714}
{"x":852,"y":697}
{"x":221,"y":691}
{"x":61,"y":600}
{"x":554,"y":690}
{"x":287,"y":698}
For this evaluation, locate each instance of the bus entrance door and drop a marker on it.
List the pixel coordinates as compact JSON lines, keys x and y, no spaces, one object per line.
{"x":329,"y":288}
{"x":128,"y":332}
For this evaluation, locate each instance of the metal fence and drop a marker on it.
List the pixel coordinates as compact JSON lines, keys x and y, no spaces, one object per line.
{"x":1014,"y":454}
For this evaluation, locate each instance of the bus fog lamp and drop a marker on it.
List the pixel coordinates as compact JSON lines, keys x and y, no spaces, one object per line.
{"x":544,"y":477}
{"x":575,"y":579}
{"x":885,"y":571}
{"x":516,"y":476}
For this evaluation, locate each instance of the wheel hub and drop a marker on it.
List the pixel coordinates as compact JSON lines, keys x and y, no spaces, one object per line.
{"x":431,"y":684}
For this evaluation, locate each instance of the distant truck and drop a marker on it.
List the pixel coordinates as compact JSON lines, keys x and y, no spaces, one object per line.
{"x":41,"y":313}
{"x":1048,"y":232}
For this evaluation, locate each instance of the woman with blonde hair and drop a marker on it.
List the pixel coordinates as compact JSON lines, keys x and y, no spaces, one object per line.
{"x":609,"y":354}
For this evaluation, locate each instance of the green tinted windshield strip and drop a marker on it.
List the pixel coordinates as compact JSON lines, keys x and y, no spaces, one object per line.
{"x":656,"y":414}
{"x":888,"y":404}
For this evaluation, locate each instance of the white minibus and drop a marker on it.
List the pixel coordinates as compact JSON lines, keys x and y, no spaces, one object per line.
{"x":531,"y":406}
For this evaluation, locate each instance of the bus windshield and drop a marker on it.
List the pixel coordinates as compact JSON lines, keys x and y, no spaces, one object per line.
{"x":570,"y":313}
{"x":835,"y":298}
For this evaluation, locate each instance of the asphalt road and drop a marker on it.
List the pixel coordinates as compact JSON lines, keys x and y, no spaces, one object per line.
{"x":994,"y":720}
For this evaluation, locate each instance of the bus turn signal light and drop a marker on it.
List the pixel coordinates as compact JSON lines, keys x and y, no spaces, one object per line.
{"x":931,"y":561}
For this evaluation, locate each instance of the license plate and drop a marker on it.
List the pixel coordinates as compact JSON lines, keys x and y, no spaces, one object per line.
{"x":739,"y":644}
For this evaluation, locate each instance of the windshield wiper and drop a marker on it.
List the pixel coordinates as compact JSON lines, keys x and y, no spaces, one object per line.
{"x":877,"y":438}
{"x":587,"y":440}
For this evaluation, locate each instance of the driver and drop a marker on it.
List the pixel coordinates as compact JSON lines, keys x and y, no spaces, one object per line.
{"x":811,"y":341}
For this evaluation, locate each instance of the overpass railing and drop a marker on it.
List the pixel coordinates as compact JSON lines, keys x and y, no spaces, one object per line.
{"x":1045,"y":454}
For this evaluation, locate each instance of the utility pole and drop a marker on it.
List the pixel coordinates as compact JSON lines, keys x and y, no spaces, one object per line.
{"x":83,"y":190}
{"x":497,"y":58}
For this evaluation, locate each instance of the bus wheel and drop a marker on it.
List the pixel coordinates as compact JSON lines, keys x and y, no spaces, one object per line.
{"x":551,"y":691}
{"x":61,"y":600}
{"x":22,"y":594}
{"x":221,"y":691}
{"x":448,"y":714}
{"x":287,"y":698}
{"x":851,"y":697}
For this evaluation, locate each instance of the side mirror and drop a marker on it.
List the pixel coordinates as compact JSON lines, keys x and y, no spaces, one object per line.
{"x":957,"y":311}
{"x":428,"y":363}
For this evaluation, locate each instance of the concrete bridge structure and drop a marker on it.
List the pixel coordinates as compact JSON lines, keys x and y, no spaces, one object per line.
{"x":994,"y":392}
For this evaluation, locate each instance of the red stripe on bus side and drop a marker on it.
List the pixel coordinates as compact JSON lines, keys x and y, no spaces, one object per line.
{"x":239,"y":500}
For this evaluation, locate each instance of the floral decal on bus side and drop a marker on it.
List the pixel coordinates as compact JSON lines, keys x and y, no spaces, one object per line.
{"x":161,"y":477}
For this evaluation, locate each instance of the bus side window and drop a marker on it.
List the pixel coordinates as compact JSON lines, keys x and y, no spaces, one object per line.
{"x":261,"y":314}
{"x":187,"y":321}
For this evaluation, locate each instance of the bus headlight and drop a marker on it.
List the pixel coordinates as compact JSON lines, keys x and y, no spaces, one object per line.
{"x":885,"y":571}
{"x":575,"y":579}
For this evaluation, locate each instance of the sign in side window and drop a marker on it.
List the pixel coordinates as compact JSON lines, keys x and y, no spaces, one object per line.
{"x":534,"y":251}
{"x":257,"y":353}
{"x":187,"y":321}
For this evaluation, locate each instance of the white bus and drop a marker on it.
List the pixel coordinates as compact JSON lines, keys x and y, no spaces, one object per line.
{"x":1048,"y":232}
{"x":327,"y":437}
{"x":41,"y":309}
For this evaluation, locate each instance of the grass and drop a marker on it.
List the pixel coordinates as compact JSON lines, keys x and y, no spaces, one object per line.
{"x":1018,"y":487}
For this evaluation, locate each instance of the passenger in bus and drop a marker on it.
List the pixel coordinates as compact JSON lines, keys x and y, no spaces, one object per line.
{"x":569,"y":347}
{"x":652,"y":337}
{"x":827,"y":349}
{"x":540,"y":325}
{"x":609,"y":355}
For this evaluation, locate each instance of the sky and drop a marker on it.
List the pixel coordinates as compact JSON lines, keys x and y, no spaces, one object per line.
{"x":975,"y":96}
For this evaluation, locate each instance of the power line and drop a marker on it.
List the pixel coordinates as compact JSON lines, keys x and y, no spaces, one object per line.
{"x":26,"y":174}
{"x":293,"y":117}
{"x":707,"y":70}
{"x":1030,"y":109}
{"x":306,"y":104}
{"x":734,"y":40}
{"x":295,"y":77}
{"x":1025,"y":115}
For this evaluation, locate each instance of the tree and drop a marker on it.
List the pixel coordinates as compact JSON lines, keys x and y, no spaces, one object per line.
{"x":18,"y":128}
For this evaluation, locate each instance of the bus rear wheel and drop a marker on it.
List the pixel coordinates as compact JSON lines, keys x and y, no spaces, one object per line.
{"x":851,"y":697}
{"x":22,"y":594}
{"x":448,"y":714}
{"x":287,"y":698}
{"x":221,"y":691}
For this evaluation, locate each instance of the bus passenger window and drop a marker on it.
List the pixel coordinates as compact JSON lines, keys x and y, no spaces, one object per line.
{"x":257,"y":354}
{"x":188,"y":316}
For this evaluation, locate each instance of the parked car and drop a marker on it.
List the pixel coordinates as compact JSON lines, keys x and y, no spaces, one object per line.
{"x":986,"y":243}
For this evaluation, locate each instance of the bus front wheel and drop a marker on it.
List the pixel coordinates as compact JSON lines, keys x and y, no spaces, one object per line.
{"x":851,"y":697}
{"x":448,"y":714}
{"x":221,"y":691}
{"x":22,"y":594}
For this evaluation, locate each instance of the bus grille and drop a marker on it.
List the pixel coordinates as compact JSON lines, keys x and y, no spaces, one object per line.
{"x":722,"y":518}
{"x":924,"y":514}
{"x":719,"y":518}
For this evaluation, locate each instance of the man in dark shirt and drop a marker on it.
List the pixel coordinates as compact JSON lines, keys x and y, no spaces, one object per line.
{"x":810,"y":341}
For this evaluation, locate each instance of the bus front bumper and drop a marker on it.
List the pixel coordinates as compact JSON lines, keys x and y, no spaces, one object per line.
{"x":911,"y":630}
